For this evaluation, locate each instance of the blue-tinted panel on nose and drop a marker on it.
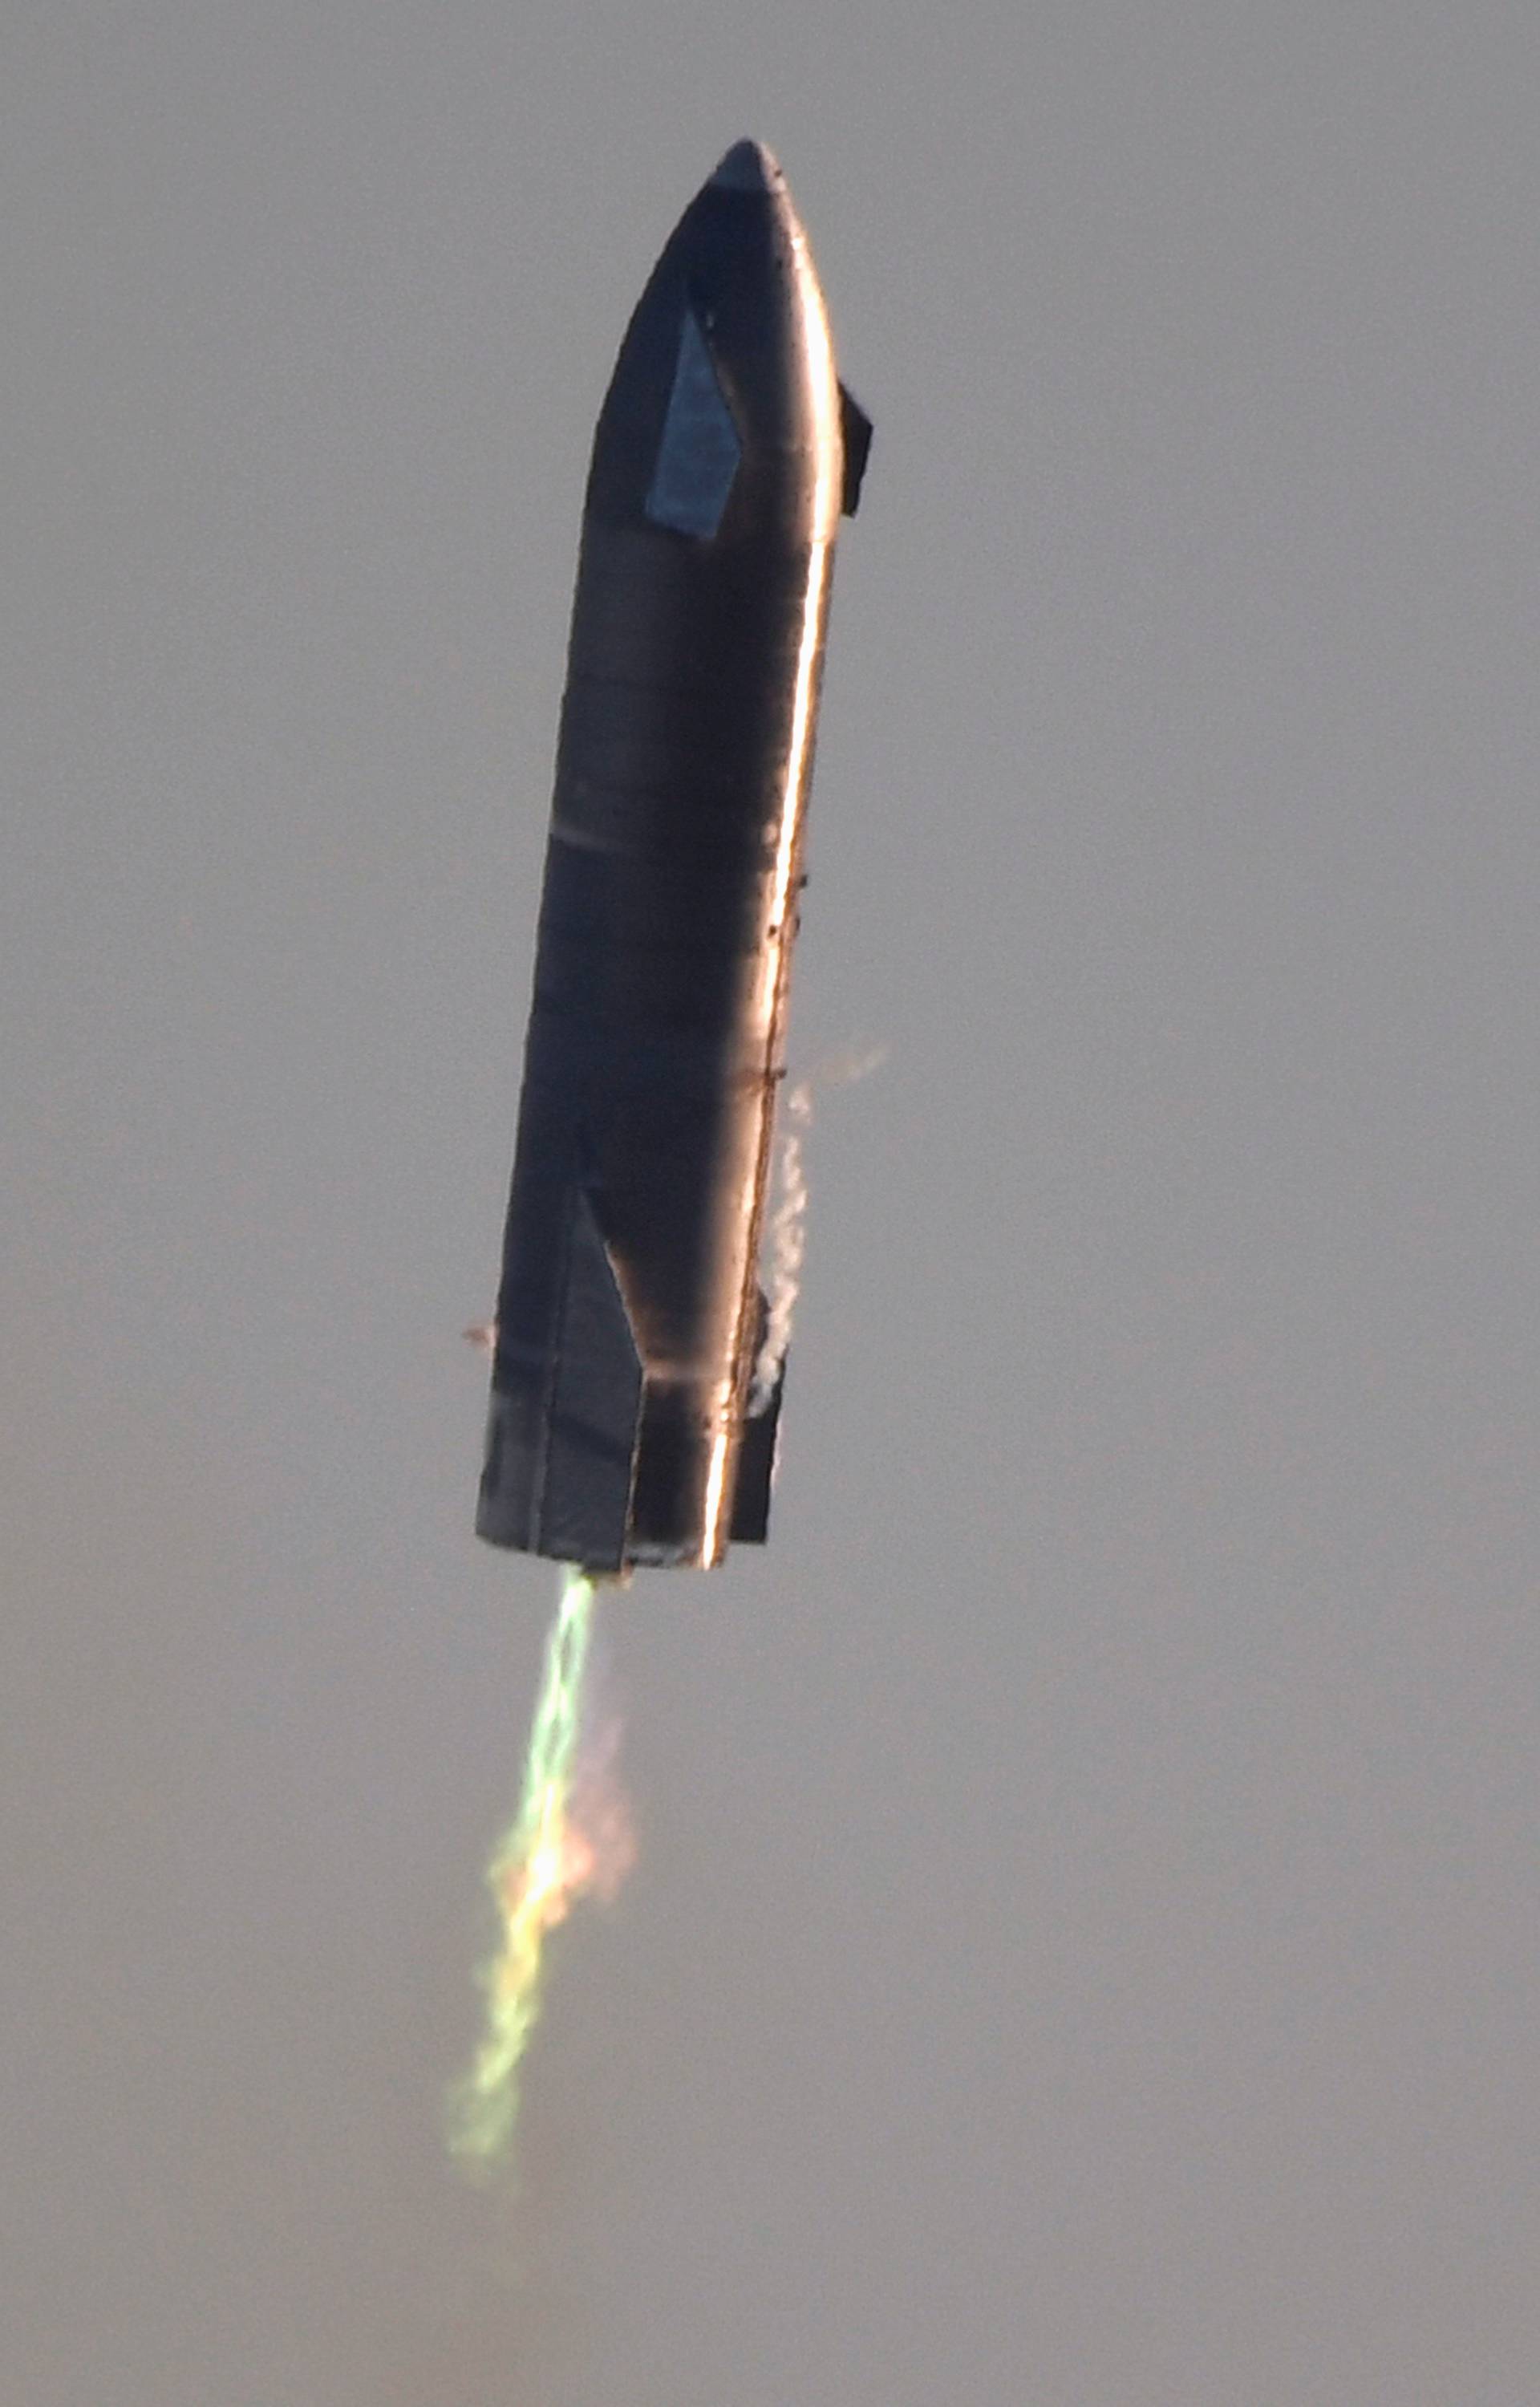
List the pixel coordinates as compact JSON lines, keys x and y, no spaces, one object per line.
{"x":698,"y":454}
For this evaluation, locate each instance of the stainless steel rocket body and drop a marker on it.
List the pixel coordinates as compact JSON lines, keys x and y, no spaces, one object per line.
{"x":630,"y":1315}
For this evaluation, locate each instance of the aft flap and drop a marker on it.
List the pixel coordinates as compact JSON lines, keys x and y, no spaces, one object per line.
{"x":751,"y":1495}
{"x":855,"y":438}
{"x":595,"y":1403}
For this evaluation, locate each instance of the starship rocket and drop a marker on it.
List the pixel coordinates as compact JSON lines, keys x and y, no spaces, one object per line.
{"x":626,"y":1424}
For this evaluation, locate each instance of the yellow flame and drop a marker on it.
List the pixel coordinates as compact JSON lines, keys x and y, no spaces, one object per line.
{"x":570,"y":1838}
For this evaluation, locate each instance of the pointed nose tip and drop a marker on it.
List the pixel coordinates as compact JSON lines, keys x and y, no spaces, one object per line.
{"x":748,"y":167}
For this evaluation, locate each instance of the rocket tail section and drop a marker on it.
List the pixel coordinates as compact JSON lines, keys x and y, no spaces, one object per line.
{"x":562,"y":1439}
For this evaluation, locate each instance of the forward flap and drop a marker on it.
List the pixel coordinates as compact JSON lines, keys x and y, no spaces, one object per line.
{"x":856,"y":437}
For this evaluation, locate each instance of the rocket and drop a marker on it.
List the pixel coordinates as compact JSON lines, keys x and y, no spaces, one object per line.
{"x":626,"y":1424}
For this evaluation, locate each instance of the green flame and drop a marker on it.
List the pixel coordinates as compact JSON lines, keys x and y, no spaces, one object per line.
{"x":542,"y":1863}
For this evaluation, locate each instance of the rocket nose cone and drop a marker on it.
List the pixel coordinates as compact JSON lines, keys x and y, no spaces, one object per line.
{"x":748,"y":167}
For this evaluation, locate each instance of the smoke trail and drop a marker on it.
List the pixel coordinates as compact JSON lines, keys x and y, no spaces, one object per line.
{"x":569,"y":1837}
{"x":787,"y":1233}
{"x":787,"y":1239}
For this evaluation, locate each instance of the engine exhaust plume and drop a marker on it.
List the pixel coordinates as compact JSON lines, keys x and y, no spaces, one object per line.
{"x":570,"y":1838}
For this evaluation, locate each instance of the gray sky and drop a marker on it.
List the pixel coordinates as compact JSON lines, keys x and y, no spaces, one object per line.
{"x":1084,"y":1943}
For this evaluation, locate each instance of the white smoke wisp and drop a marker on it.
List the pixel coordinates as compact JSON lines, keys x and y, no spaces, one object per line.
{"x":788,"y":1248}
{"x":788,"y":1226}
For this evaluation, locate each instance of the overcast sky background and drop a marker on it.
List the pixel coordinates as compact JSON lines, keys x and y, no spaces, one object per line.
{"x":1084,"y":1943}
